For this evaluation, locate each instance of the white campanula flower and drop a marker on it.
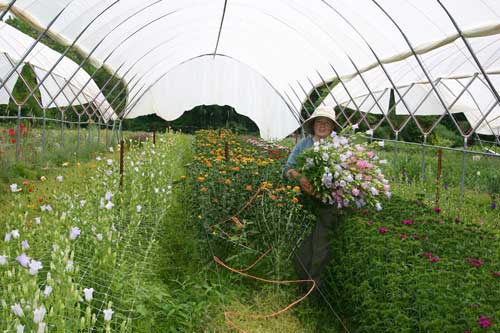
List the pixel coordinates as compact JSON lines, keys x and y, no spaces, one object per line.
{"x":355,"y":126}
{"x":99,"y":237}
{"x":373,"y":191}
{"x":3,"y":260}
{"x":381,"y":143}
{"x":74,"y":233}
{"x":334,"y":134}
{"x":38,"y":314}
{"x":82,"y":203}
{"x":14,"y":188}
{"x":138,"y":208}
{"x":108,"y":314}
{"x":388,"y":194}
{"x":15,"y":233}
{"x":20,"y":328}
{"x":143,"y":153}
{"x":59,"y":178}
{"x":98,"y":158}
{"x":7,"y":237}
{"x":69,"y":266}
{"x":25,"y":244}
{"x":157,"y":190}
{"x":17,"y":310}
{"x":109,"y":205}
{"x":109,"y":161}
{"x":369,"y":132}
{"x":41,"y":328}
{"x":101,"y":204}
{"x":108,"y":172}
{"x":23,"y":259}
{"x":349,"y":179}
{"x":46,"y":207}
{"x":108,"y":195}
{"x":111,"y":149}
{"x":88,"y":293}
{"x":37,"y":220}
{"x":342,"y":183}
{"x":35,"y":266}
{"x":378,"y":206}
{"x":47,"y":291}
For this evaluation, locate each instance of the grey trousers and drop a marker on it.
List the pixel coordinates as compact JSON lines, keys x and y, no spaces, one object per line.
{"x":314,"y":252}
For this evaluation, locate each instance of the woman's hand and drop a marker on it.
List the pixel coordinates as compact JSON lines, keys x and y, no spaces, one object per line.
{"x":306,"y":185}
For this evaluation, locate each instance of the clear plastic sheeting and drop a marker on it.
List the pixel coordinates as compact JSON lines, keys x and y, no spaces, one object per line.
{"x":222,"y":81}
{"x":293,"y":44}
{"x":5,"y":68}
{"x":63,"y":83}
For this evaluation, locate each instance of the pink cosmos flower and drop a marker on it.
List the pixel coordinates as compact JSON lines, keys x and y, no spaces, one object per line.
{"x":382,"y":230}
{"x":475,"y":262}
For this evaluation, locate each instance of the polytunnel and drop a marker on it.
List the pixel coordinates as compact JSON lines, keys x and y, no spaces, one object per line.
{"x":437,"y":57}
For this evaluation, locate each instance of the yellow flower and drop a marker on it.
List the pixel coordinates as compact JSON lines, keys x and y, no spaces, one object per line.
{"x":295,"y":200}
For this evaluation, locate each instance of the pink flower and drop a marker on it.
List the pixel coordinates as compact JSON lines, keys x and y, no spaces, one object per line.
{"x":407,"y":222}
{"x":370,"y":154}
{"x":431,"y":257}
{"x":437,"y":209}
{"x":403,"y":236}
{"x":360,"y":148}
{"x":484,"y":321}
{"x":355,"y":192}
{"x":382,"y":230}
{"x":497,"y":274}
{"x":475,"y":262}
{"x":362,"y":164}
{"x":365,"y":186}
{"x":381,"y":176}
{"x":368,"y":177}
{"x":387,"y":187}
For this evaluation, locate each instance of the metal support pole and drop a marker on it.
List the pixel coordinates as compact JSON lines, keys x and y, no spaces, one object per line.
{"x":122,"y":148}
{"x":78,"y":135}
{"x":62,"y":127}
{"x":395,"y":157}
{"x":44,"y":133}
{"x":423,"y":156}
{"x":462,"y":181}
{"x":18,"y":134}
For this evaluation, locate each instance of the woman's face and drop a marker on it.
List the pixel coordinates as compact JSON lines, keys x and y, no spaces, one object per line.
{"x":323,"y":127}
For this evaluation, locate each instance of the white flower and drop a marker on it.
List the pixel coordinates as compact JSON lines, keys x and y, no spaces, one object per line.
{"x":138,"y":208}
{"x":20,"y":328}
{"x":109,"y":195}
{"x":7,"y":237}
{"x":349,"y":179}
{"x":157,"y":190}
{"x":59,"y":178}
{"x":101,"y":205}
{"x":342,"y":183}
{"x":87,"y":292}
{"x":38,"y":314}
{"x":478,"y":173}
{"x":41,"y":328}
{"x":47,"y":291}
{"x":23,"y":259}
{"x":35,"y":266}
{"x":111,"y":149}
{"x":47,"y":208}
{"x":369,"y":132}
{"x":381,"y":143}
{"x":25,"y":244}
{"x":378,"y":206}
{"x":82,"y":203}
{"x":3,"y":260}
{"x":69,"y":266}
{"x":37,"y":220}
{"x":74,"y":233}
{"x":108,"y":172}
{"x":476,"y":157}
{"x":136,"y":169}
{"x":355,"y":126}
{"x":98,"y":158}
{"x":13,"y":188}
{"x":17,"y":310}
{"x":15,"y":233}
{"x":108,"y":313}
{"x":99,"y":237}
{"x":388,"y":194}
{"x":374,"y":191}
{"x":109,"y":161}
{"x":109,"y":205}
{"x":383,"y":161}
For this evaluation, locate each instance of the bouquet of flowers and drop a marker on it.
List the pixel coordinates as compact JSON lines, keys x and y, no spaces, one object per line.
{"x":345,"y":171}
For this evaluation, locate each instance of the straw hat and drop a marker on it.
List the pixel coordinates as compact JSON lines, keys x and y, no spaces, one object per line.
{"x":321,"y":111}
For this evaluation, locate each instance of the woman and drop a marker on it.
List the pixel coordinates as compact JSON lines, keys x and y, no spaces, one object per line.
{"x":314,"y":252}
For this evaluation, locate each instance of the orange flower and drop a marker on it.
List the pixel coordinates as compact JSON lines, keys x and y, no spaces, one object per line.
{"x":223,"y":172}
{"x":295,"y":200}
{"x":201,"y":179}
{"x":248,"y":187}
{"x":204,"y":189}
{"x":235,"y":169}
{"x":280,"y":204}
{"x":228,"y":181}
{"x":272,"y":196}
{"x":296,"y":188}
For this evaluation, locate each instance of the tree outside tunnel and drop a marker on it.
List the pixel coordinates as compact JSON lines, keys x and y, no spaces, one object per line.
{"x":200,"y":117}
